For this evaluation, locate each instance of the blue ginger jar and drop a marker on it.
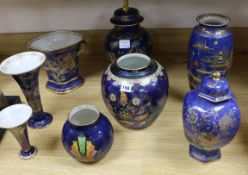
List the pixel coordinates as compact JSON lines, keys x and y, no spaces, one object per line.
{"x":211,"y":118}
{"x":210,"y":48}
{"x":127,"y":36}
{"x":87,"y":135}
{"x":135,"y":89}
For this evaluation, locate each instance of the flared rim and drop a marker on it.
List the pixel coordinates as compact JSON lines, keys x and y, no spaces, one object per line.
{"x":11,"y":64}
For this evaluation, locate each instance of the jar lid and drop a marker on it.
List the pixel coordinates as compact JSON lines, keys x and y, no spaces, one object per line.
{"x":126,"y":16}
{"x":214,"y":88}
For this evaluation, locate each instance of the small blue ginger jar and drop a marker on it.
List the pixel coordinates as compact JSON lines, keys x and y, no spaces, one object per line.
{"x":127,"y":36}
{"x":135,"y":90}
{"x":87,"y":135}
{"x":210,"y":48}
{"x":211,"y":118}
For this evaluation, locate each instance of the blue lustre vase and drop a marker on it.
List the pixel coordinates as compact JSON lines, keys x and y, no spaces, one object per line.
{"x":135,"y":89}
{"x":87,"y":135}
{"x":127,"y":36}
{"x":211,"y":118}
{"x":210,"y":48}
{"x":62,"y":49}
{"x":24,"y":68}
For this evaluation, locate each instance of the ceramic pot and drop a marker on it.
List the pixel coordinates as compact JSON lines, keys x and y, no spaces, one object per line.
{"x":210,"y":48}
{"x":14,"y":119}
{"x":62,"y":49}
{"x":127,"y":36}
{"x":24,"y":68}
{"x":135,"y":89}
{"x":211,"y":118}
{"x":87,"y":134}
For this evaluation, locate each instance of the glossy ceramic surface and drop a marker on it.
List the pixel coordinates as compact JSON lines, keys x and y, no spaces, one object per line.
{"x":62,"y":49}
{"x":14,"y":118}
{"x":210,"y":48}
{"x":127,"y":36}
{"x":135,"y":89}
{"x":211,"y":118}
{"x":24,"y":67}
{"x":87,"y":134}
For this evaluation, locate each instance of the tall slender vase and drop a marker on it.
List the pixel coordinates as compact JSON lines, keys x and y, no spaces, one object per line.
{"x":210,"y":48}
{"x":24,"y":67}
{"x":14,"y":118}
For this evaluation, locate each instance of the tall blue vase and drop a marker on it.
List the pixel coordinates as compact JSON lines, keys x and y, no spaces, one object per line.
{"x":127,"y":36}
{"x":211,"y":118}
{"x":210,"y":48}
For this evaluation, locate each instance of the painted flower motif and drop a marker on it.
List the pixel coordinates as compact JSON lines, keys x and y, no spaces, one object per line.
{"x":225,"y":122}
{"x":123,"y":114}
{"x":136,"y":101}
{"x":112,"y":97}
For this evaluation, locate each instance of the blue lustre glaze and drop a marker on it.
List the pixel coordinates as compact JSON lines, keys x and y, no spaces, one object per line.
{"x":62,"y":63}
{"x":211,"y":118}
{"x":127,"y":36}
{"x":88,"y":143}
{"x":135,"y":96}
{"x":210,"y":48}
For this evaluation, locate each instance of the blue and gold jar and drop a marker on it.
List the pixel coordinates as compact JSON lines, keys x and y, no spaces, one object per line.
{"x":135,"y":89}
{"x":211,"y":118}
{"x":127,"y":36}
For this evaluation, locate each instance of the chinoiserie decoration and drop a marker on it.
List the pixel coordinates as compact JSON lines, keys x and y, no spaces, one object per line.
{"x":210,"y":48}
{"x":135,"y":89}
{"x":211,"y":118}
{"x":62,"y":49}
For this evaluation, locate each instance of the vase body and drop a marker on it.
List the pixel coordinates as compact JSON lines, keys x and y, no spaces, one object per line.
{"x":88,"y":143}
{"x":135,"y":96}
{"x":211,"y":119}
{"x":62,"y":49}
{"x":127,"y":36}
{"x":210,"y":48}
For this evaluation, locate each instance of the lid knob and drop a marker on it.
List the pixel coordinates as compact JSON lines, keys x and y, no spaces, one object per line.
{"x":126,"y":5}
{"x":216,"y":76}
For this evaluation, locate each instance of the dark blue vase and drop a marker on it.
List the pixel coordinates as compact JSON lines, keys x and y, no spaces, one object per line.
{"x":211,"y":118}
{"x":210,"y":48}
{"x":127,"y":35}
{"x":135,"y":89}
{"x":87,"y":134}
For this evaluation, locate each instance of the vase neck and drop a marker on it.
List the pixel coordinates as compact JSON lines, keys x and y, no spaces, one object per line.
{"x":133,"y":66}
{"x":83,"y":115}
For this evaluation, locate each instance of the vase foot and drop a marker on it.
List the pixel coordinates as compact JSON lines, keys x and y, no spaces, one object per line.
{"x":29,"y":154}
{"x":66,"y":87}
{"x":40,"y":120}
{"x":203,"y":155}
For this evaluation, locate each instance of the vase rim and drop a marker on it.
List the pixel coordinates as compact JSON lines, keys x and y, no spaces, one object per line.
{"x":83,"y":115}
{"x":15,"y":115}
{"x":22,"y":63}
{"x":56,"y":41}
{"x":133,"y":62}
{"x":213,"y":20}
